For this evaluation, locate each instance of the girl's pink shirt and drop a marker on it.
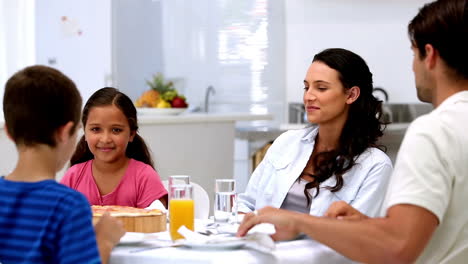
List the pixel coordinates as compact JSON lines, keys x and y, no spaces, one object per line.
{"x":139,"y":187}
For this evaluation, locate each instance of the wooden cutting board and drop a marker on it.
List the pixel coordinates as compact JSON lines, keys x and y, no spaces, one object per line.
{"x":133,"y":221}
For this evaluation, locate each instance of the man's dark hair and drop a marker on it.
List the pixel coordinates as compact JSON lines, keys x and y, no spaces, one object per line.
{"x":444,"y":25}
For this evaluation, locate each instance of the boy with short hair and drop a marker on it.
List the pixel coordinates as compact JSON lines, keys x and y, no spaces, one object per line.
{"x":42,"y":221}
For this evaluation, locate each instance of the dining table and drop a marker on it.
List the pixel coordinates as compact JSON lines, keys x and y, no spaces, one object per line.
{"x":153,"y":249}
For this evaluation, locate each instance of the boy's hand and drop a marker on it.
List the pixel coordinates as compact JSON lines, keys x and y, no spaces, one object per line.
{"x":108,"y":230}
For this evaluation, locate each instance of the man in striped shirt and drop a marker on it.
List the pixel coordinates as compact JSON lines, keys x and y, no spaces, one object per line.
{"x":42,"y":221}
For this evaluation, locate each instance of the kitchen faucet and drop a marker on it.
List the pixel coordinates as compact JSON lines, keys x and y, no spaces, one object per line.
{"x":387,"y":115}
{"x":382,"y":90}
{"x":207,"y":96}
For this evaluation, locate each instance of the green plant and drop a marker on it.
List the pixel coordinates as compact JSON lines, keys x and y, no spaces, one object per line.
{"x":167,"y":95}
{"x":158,"y":84}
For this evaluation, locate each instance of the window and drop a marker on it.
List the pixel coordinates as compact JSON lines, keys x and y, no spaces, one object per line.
{"x":235,"y":46}
{"x":16,"y":38}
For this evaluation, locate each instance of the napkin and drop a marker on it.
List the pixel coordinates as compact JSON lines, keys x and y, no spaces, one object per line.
{"x":258,"y":239}
{"x":157,"y":205}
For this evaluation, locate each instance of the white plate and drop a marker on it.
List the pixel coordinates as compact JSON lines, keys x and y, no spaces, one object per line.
{"x":263,"y":228}
{"x":159,"y":111}
{"x":132,"y":238}
{"x":214,"y":246}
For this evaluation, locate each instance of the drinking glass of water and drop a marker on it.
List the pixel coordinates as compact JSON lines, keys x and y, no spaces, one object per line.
{"x":225,"y":205}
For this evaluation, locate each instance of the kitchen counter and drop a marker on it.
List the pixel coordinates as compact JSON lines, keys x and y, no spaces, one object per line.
{"x":201,"y":118}
{"x":194,"y":118}
{"x":196,"y":144}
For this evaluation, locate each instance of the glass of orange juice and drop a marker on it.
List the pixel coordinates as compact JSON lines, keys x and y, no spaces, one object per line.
{"x":179,"y":179}
{"x":181,"y":209}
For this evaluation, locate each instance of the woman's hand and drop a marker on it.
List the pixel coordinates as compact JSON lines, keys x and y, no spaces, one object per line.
{"x":286,"y":227}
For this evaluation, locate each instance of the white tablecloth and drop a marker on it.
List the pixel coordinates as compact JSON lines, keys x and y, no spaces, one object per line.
{"x":289,"y":252}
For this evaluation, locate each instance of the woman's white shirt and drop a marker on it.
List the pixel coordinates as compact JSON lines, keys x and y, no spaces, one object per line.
{"x":364,"y":186}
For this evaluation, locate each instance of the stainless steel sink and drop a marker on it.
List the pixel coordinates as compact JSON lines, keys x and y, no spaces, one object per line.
{"x":404,"y":113}
{"x":392,"y":112}
{"x":399,"y":116}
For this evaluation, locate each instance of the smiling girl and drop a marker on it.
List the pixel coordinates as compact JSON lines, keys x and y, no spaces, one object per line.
{"x":336,"y":158}
{"x":112,"y":164}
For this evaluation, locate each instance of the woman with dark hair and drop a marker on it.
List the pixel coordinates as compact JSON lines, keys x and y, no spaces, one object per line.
{"x":112,"y":164}
{"x":337,"y":157}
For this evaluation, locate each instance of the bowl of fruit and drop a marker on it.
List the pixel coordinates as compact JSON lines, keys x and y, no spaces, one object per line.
{"x":162,"y":98}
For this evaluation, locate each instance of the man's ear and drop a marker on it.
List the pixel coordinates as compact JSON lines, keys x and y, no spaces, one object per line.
{"x":63,"y":133}
{"x":353,"y":94}
{"x":431,"y":56}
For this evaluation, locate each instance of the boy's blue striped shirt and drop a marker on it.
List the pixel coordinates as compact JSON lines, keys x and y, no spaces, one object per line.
{"x":45,"y":222}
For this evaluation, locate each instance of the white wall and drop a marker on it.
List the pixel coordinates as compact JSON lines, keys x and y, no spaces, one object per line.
{"x":374,"y":29}
{"x":85,"y":57}
{"x":136,"y":44}
{"x":16,"y":39}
